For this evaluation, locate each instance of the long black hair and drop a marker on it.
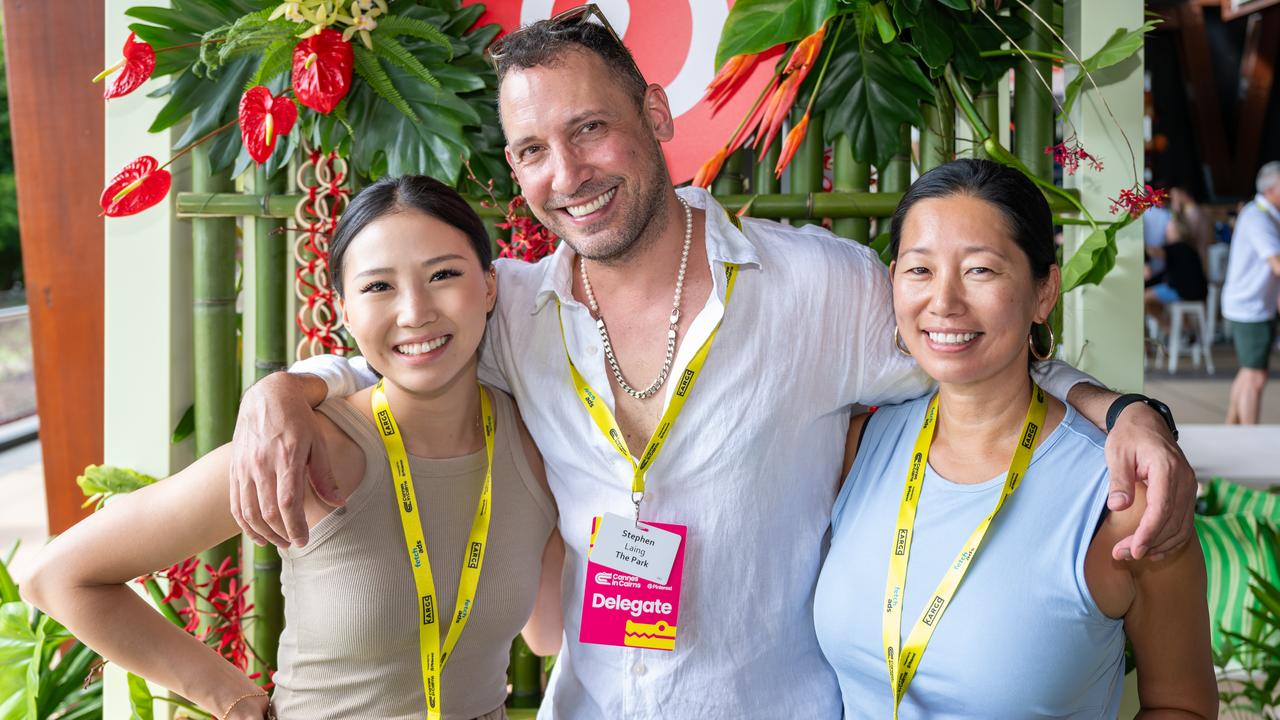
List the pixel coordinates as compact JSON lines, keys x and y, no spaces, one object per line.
{"x":397,"y":194}
{"x":1025,"y":211}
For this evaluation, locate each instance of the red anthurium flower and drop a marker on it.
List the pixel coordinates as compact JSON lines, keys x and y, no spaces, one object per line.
{"x":263,"y":118}
{"x":141,"y":184}
{"x":138,"y":63}
{"x":322,"y":70}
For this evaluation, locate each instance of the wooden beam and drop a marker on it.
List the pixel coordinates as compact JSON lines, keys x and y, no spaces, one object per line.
{"x":1257,"y":75}
{"x":56,"y":119}
{"x":1202,"y":97}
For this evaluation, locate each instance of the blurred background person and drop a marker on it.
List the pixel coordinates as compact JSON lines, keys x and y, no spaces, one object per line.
{"x":1250,"y":293}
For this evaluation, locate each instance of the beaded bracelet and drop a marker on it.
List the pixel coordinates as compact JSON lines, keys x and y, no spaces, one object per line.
{"x":270,"y":714}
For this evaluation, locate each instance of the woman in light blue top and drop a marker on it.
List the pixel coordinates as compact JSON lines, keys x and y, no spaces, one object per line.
{"x":981,"y":535}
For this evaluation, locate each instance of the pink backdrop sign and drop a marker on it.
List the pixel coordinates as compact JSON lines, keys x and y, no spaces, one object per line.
{"x":674,"y":43}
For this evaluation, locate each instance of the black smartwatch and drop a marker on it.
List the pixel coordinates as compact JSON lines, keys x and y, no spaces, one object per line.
{"x":1125,"y":401}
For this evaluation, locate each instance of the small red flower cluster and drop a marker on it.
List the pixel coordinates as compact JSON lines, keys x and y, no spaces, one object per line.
{"x":1136,"y":201}
{"x":222,"y":591}
{"x":530,"y":240}
{"x":1069,"y":153}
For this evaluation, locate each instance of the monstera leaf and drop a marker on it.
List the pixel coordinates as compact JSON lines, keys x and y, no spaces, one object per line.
{"x":871,"y":90}
{"x":422,"y":101}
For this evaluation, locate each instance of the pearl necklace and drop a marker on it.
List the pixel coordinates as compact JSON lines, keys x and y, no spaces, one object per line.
{"x":671,"y":331}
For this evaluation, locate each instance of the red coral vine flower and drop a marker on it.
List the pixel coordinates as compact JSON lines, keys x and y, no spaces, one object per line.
{"x":138,"y":63}
{"x":1069,"y":153}
{"x":1136,"y":201}
{"x":530,"y":240}
{"x":219,"y":618}
{"x":141,"y":184}
{"x":322,"y":70}
{"x":263,"y":119}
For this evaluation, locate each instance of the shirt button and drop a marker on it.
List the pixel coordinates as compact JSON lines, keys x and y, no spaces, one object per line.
{"x":638,"y":669}
{"x":591,"y":350}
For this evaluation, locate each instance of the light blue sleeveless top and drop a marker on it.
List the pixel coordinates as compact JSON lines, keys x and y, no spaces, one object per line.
{"x":1023,"y":637}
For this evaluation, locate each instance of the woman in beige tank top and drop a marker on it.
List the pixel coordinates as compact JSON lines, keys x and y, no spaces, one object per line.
{"x":411,"y":262}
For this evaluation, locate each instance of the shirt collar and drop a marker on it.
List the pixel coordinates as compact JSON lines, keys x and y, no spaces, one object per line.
{"x":1266,"y":205}
{"x":725,"y":244}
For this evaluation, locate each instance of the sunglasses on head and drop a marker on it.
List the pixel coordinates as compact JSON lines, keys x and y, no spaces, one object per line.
{"x":561,"y":23}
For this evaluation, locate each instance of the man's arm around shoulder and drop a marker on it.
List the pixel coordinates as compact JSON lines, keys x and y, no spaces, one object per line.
{"x":1140,"y":447}
{"x":277,"y":448}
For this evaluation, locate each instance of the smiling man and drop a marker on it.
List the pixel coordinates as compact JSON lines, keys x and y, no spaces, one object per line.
{"x":771,"y":333}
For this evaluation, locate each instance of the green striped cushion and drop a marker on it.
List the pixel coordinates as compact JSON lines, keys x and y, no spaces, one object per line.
{"x":1233,"y":544}
{"x":1226,"y":498}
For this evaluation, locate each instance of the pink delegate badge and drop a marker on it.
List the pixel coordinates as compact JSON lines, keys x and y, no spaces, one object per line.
{"x":627,"y":611}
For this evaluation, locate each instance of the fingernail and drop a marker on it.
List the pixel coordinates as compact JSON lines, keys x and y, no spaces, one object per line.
{"x":1117,"y":498}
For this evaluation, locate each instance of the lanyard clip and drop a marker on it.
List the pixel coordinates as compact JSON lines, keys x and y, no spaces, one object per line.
{"x":636,"y":499}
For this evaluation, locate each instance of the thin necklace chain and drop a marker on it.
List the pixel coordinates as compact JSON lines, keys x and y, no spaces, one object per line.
{"x":671,"y":331}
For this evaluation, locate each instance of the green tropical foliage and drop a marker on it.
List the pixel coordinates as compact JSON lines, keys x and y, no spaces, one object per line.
{"x":889,"y":58}
{"x":421,"y":99}
{"x":43,"y":669}
{"x":1252,"y":662}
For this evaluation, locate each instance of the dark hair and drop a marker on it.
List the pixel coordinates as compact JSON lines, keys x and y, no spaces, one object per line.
{"x":1025,"y":211}
{"x":543,"y":44}
{"x":391,"y":195}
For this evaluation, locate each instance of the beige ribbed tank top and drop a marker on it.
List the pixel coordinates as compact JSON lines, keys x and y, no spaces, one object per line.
{"x":350,"y":643}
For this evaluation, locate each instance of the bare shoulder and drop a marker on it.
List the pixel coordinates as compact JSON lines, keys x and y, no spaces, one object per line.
{"x":852,"y":440}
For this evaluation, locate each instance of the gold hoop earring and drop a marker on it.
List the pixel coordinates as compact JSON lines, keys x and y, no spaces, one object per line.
{"x":1053,"y":344}
{"x":897,"y":342}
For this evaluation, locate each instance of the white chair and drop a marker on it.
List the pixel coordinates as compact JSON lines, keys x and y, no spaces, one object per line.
{"x":1200,"y":349}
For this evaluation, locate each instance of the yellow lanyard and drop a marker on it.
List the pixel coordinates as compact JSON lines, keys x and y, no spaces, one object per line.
{"x":433,"y":656}
{"x":609,"y":426}
{"x":902,"y":665}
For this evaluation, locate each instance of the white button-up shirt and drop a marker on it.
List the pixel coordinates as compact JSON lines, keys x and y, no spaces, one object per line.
{"x":751,"y":466}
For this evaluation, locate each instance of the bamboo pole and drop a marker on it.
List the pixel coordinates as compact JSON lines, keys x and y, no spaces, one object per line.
{"x":1032,"y":103}
{"x":762,"y":180}
{"x":773,"y":205}
{"x":987,"y":103}
{"x":213,"y":245}
{"x":1033,"y":110}
{"x":849,"y":175}
{"x":938,"y":136}
{"x":895,"y":177}
{"x":732,"y":178}
{"x":525,"y":675}
{"x":806,"y":166}
{"x":271,"y":353}
{"x":228,"y":204}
